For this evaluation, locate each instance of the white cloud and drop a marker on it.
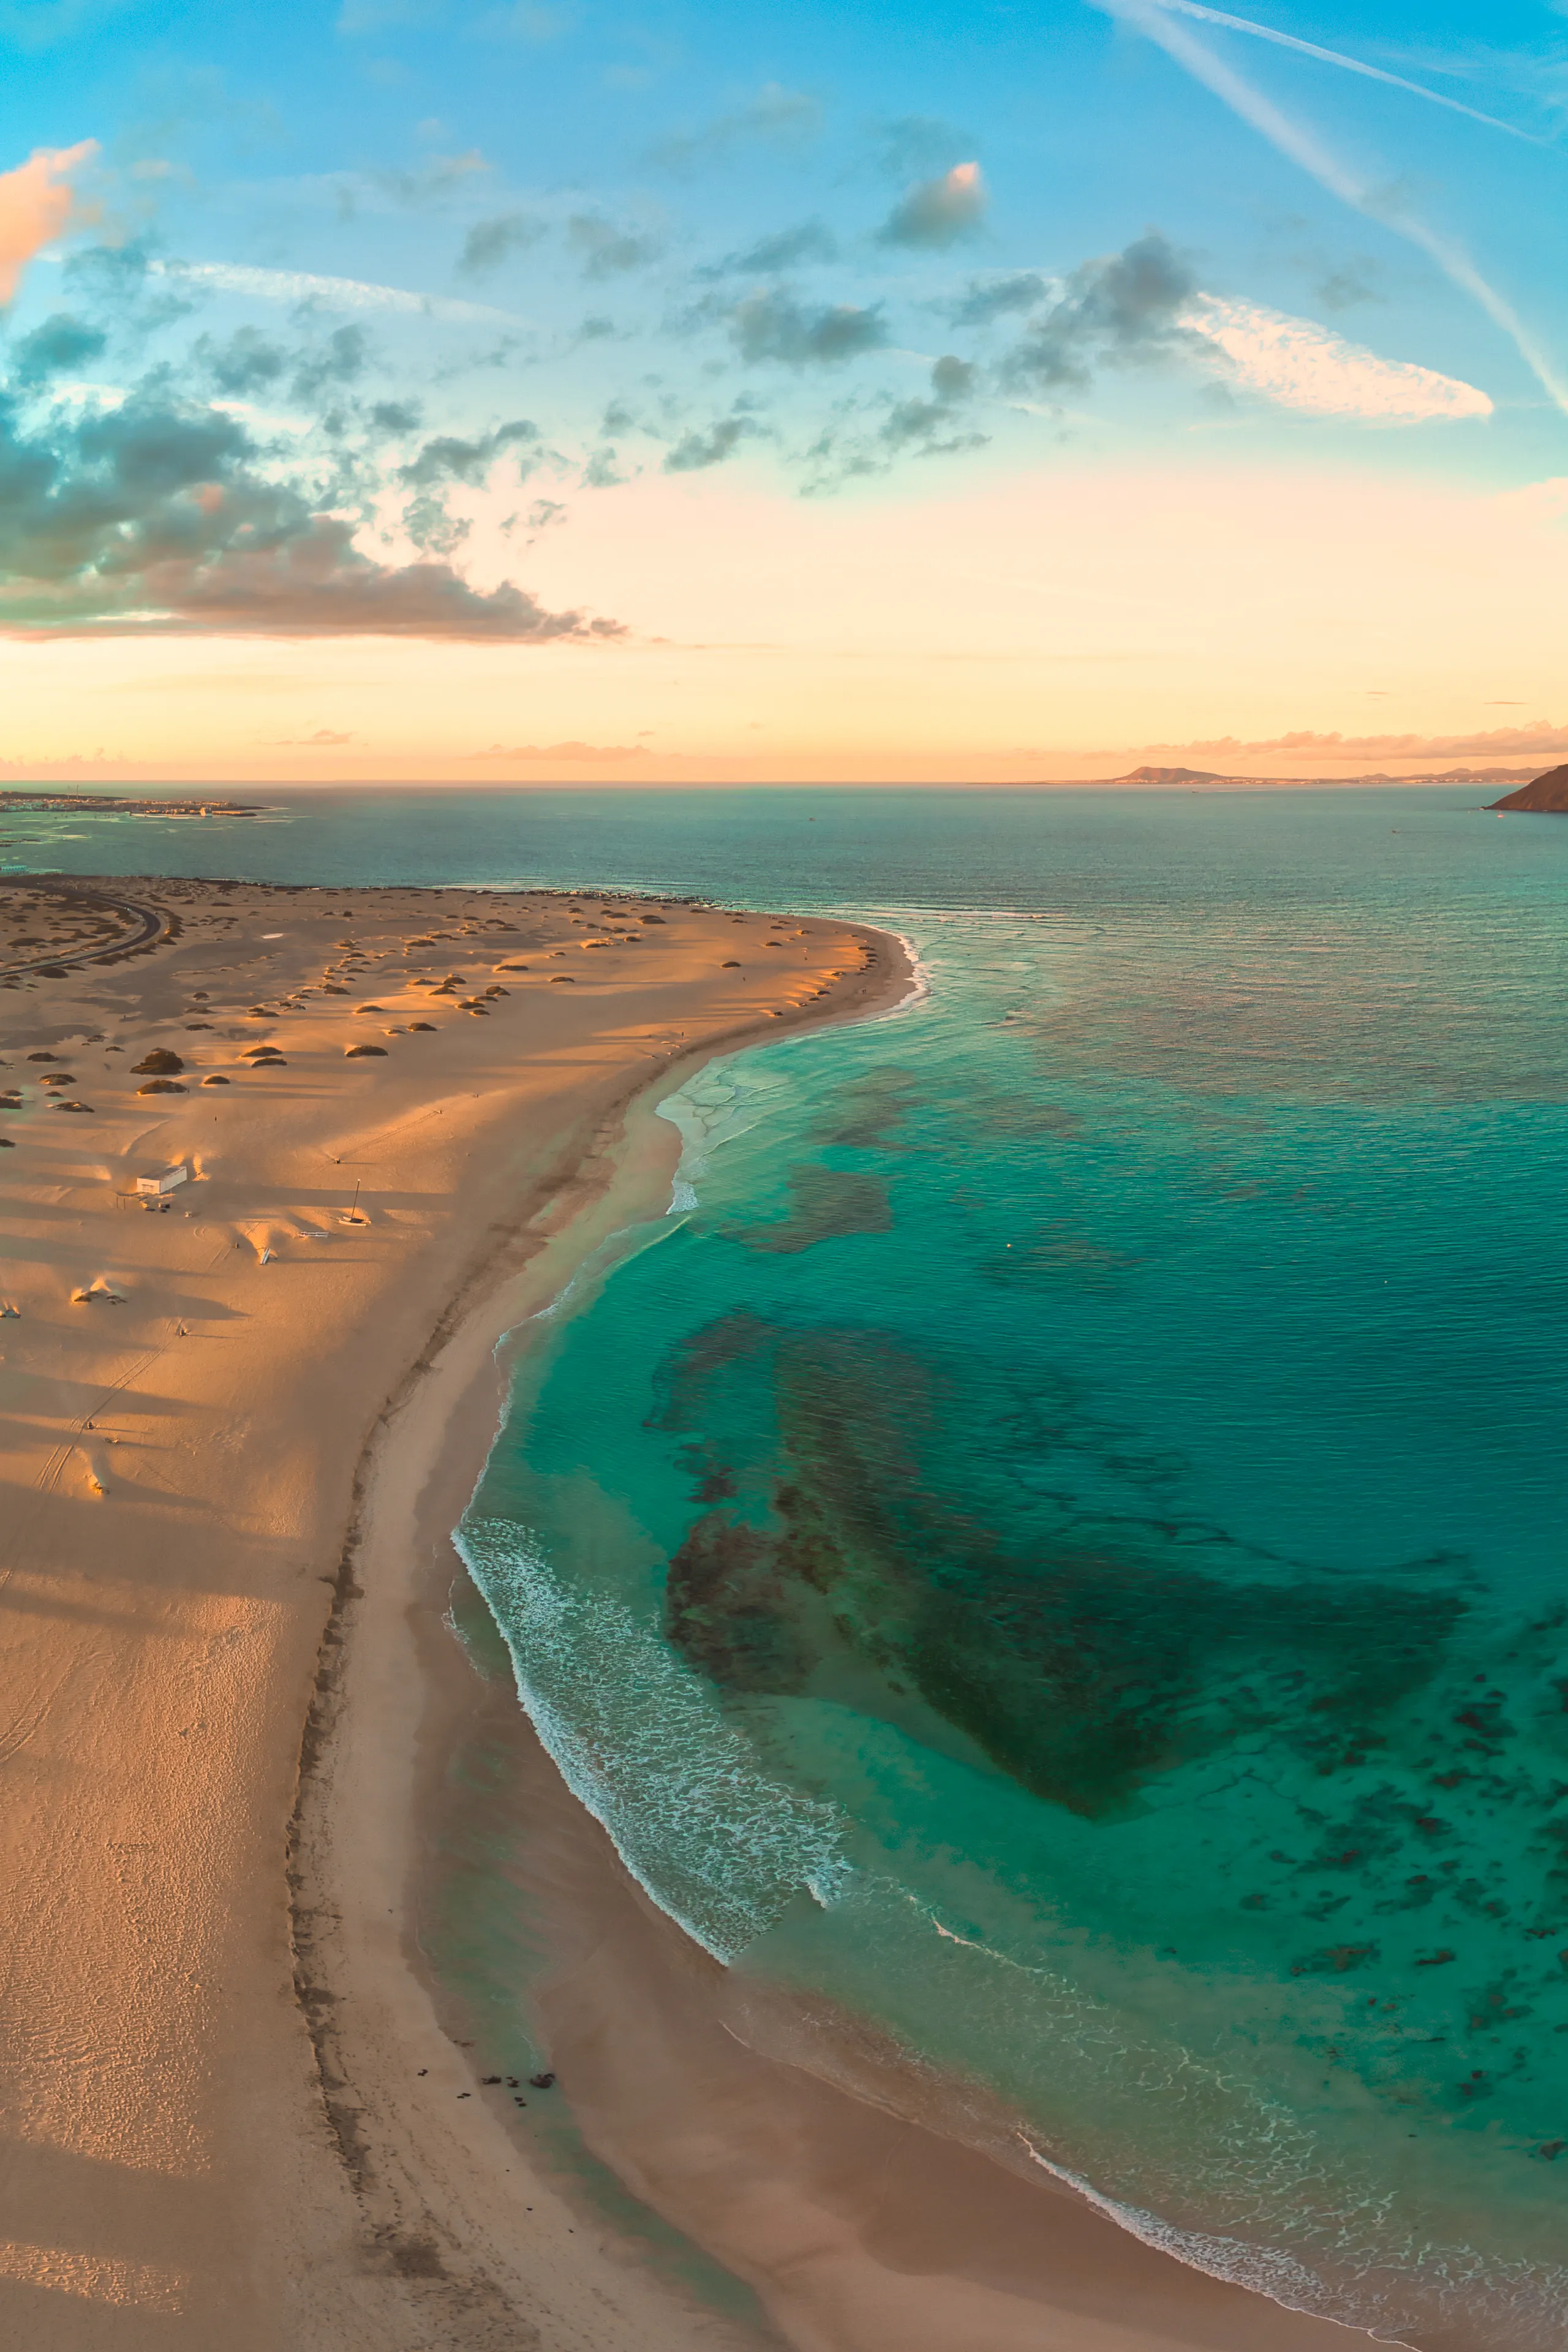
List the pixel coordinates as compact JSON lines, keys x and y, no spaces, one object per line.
{"x":1302,"y":365}
{"x":332,"y":293}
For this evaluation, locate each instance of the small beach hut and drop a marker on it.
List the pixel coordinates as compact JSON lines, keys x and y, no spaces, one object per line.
{"x":156,"y":1180}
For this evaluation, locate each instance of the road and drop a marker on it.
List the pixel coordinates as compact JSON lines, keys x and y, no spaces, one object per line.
{"x":152,"y":924}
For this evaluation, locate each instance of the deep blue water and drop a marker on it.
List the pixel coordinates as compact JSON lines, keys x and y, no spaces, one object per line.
{"x":1059,"y":1541}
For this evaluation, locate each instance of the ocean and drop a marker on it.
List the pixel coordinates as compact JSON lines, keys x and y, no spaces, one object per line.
{"x":1055,"y":1540}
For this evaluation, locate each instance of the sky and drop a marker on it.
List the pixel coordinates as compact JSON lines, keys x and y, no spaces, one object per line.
{"x":532,"y":390}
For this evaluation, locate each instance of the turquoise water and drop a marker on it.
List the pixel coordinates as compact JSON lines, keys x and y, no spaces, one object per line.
{"x":1057,"y":1539}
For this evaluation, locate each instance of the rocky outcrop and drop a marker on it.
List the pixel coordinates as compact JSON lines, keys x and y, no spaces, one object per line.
{"x":1546,"y":795}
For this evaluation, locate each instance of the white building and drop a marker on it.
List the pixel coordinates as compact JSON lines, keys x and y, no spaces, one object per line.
{"x":161,"y":1179}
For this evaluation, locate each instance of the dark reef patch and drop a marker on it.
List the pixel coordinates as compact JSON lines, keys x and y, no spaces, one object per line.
{"x":1084,"y":1663}
{"x":826,"y":1204}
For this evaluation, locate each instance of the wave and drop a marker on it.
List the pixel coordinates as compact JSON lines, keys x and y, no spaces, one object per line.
{"x":719,"y":1845}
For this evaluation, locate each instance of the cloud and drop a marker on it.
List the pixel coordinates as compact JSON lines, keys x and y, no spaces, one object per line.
{"x":986,"y":300}
{"x":605,"y":250}
{"x":155,"y":515}
{"x":695,"y":452}
{"x":324,"y":738}
{"x":449,"y":459}
{"x":37,"y":205}
{"x":248,"y":363}
{"x":326,"y":293}
{"x":938,"y":211}
{"x":851,"y":447}
{"x":573,"y":751}
{"x":787,"y":248}
{"x":57,"y":348}
{"x":1542,"y":738}
{"x":775,"y":327}
{"x":1337,"y":58}
{"x":435,"y":179}
{"x":1121,"y":309}
{"x":490,"y":242}
{"x":395,"y":415}
{"x":776,"y":117}
{"x":341,"y":360}
{"x":1304,"y":149}
{"x":1300,"y":365}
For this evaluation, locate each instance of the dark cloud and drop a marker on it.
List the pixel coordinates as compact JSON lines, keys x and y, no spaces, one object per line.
{"x":938,"y":211}
{"x":986,"y":299}
{"x":605,"y":250}
{"x":341,"y":360}
{"x":775,"y":326}
{"x":952,"y":378}
{"x":788,"y":248}
{"x":776,"y":117}
{"x":490,"y":242}
{"x":449,"y":459}
{"x":602,"y":470}
{"x":695,"y":452}
{"x":61,"y":344}
{"x":1118,"y":310}
{"x":928,"y":428}
{"x":247,"y":363}
{"x":865,"y":437}
{"x":155,"y":515}
{"x":395,"y":415}
{"x":120,"y":284}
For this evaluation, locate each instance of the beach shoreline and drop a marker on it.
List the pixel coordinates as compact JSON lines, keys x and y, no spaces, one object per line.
{"x":394,"y":1684}
{"x":183,"y":1396}
{"x":858,"y":2227}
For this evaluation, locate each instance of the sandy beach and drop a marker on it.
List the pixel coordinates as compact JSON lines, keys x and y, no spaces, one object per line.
{"x":240,"y":1420}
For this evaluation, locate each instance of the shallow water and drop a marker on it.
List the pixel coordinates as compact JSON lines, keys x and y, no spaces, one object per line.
{"x":1059,"y":1542}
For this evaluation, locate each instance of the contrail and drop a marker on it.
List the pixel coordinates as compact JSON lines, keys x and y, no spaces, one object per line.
{"x":332,"y":293}
{"x":1153,"y":19}
{"x":1347,"y":65}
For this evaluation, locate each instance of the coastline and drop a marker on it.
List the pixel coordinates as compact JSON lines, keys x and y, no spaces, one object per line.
{"x":185,"y":1395}
{"x":858,"y":2227}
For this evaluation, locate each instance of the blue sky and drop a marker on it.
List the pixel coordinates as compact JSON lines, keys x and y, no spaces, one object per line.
{"x":475,"y":279}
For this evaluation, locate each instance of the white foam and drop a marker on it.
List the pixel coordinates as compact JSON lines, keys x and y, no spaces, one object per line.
{"x":717,"y":1844}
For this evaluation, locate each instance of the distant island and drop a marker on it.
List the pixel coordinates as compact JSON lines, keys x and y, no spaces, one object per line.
{"x":1547,"y":796}
{"x":1159,"y":777}
{"x":22,"y":803}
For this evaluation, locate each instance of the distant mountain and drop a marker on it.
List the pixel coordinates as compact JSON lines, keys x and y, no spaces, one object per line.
{"x":1548,"y":795}
{"x":1172,"y":776}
